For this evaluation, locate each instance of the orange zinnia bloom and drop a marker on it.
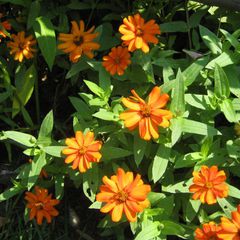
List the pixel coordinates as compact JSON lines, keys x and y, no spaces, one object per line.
{"x":123,"y":193}
{"x":82,"y":151}
{"x":117,"y":60}
{"x":230,"y":227}
{"x":208,"y":231}
{"x":22,"y":47}
{"x":146,"y":115}
{"x":7,"y":26}
{"x":137,"y":34}
{"x":78,"y":42}
{"x":209,"y":183}
{"x":41,"y":205}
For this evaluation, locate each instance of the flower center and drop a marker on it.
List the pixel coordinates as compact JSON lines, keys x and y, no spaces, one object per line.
{"x":39,"y":205}
{"x":121,"y":196}
{"x":82,"y":150}
{"x":139,"y":32}
{"x":117,"y":60}
{"x":146,"y":110}
{"x":21,"y":46}
{"x":209,"y":185}
{"x":78,"y":40}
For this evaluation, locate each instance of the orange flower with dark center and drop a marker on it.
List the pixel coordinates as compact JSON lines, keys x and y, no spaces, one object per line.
{"x":78,"y":42}
{"x":82,"y":151}
{"x":137,"y":34}
{"x":230,"y":227}
{"x":208,"y":232}
{"x":209,"y":183}
{"x":123,"y":193}
{"x":147,"y":116}
{"x":41,"y":205}
{"x":22,"y":47}
{"x":6,"y":26}
{"x":117,"y":60}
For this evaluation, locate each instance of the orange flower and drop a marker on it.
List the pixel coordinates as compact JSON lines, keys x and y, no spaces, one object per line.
{"x":137,"y":34}
{"x":41,"y":205}
{"x":146,"y":115}
{"x":82,"y":151}
{"x":22,"y":47}
{"x":6,"y":26}
{"x":78,"y":42}
{"x":117,"y":60}
{"x":230,"y":227}
{"x":123,"y":194}
{"x":208,"y":231}
{"x":209,"y":183}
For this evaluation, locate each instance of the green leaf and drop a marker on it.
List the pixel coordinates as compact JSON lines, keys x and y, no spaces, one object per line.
{"x":55,"y":151}
{"x":174,"y":26}
{"x":151,"y":231}
{"x":59,"y":186}
{"x":23,"y":94}
{"x":34,"y":11}
{"x":22,"y":138}
{"x":10,"y":193}
{"x":37,"y":164}
{"x":94,"y":88}
{"x":188,"y":160}
{"x":190,"y":126}
{"x":45,"y":34}
{"x":160,"y":162}
{"x":211,"y":40}
{"x":198,"y":101}
{"x":24,"y":3}
{"x":227,"y":108}
{"x":106,"y":115}
{"x":81,"y":107}
{"x":221,"y":88}
{"x":46,"y":127}
{"x":226,"y":205}
{"x":180,"y":187}
{"x":172,"y":228}
{"x":114,"y":152}
{"x":77,"y":67}
{"x":139,"y":148}
{"x":192,"y":209}
{"x":234,"y":41}
{"x":233,"y":78}
{"x":178,"y":101}
{"x":176,"y":127}
{"x":233,"y":192}
{"x":105,"y":82}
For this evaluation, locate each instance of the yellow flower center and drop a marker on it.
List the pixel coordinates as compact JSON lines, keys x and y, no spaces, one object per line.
{"x":82,"y":150}
{"x":78,"y":40}
{"x":139,"y":32}
{"x":121,"y":196}
{"x":146,"y":110}
{"x":39,"y":205}
{"x":209,"y":184}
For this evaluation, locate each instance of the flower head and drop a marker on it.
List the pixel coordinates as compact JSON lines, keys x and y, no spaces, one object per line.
{"x":82,"y":151}
{"x":41,"y":205}
{"x":78,"y":42}
{"x":230,"y":227}
{"x":6,"y":26}
{"x":22,"y":47}
{"x":137,"y":34}
{"x":208,"y":232}
{"x":123,"y":193}
{"x":209,"y":183}
{"x":146,"y":115}
{"x":117,"y":60}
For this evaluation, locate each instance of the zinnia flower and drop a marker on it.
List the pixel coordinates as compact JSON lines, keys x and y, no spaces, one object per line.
{"x":208,"y":231}
{"x":209,"y":183}
{"x":230,"y":227}
{"x":78,"y":42}
{"x":82,"y":151}
{"x":137,"y":34}
{"x":123,"y":194}
{"x":6,"y":26}
{"x":117,"y":60}
{"x":22,"y":47}
{"x":147,"y":116}
{"x":41,"y":205}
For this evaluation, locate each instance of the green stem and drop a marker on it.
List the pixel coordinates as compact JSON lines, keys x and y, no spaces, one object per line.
{"x":37,"y":101}
{"x":188,"y":25}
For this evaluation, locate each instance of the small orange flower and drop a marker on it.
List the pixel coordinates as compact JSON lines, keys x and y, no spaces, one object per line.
{"x":123,"y":194}
{"x":137,"y":34}
{"x":41,"y":205}
{"x":209,"y":183}
{"x":82,"y":151}
{"x":6,"y":26}
{"x":208,"y":231}
{"x":117,"y":60}
{"x":146,"y":115}
{"x":230,"y":227}
{"x":78,"y":42}
{"x":22,"y":47}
